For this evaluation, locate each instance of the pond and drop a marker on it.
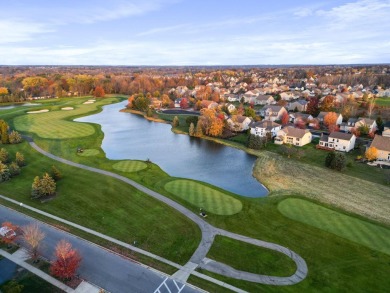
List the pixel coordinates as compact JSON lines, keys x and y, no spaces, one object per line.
{"x":130,"y":136}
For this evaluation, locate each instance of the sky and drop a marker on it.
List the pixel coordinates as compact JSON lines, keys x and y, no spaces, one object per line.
{"x":194,"y":32}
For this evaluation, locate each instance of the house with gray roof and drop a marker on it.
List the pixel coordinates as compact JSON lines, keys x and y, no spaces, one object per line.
{"x":382,"y":144}
{"x":294,"y":136}
{"x":339,"y":141}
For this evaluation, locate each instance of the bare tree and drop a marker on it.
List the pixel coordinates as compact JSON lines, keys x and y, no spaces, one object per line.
{"x":33,"y":237}
{"x":371,"y":106}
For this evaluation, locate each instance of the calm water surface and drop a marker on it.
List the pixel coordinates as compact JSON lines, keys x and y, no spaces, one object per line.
{"x":130,"y":136}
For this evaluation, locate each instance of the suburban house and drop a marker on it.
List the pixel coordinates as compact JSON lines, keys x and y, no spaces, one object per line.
{"x":273,"y":113}
{"x":382,"y":144}
{"x":338,"y":141}
{"x":371,"y":124}
{"x":322,"y":115}
{"x":264,"y":100}
{"x":299,"y":105}
{"x":239,"y":123}
{"x":349,"y":125}
{"x":231,"y":97}
{"x":261,"y":128}
{"x":300,"y":117}
{"x":294,"y":136}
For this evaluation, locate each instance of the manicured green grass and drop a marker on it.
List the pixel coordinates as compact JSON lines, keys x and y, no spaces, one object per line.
{"x":89,"y":153}
{"x":107,"y":205}
{"x":204,"y":197}
{"x":359,"y":231}
{"x":384,"y":102}
{"x":129,"y":166}
{"x":54,"y":124}
{"x":251,"y":258}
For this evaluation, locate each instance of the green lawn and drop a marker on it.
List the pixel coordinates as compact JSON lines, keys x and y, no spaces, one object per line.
{"x":204,"y":197}
{"x":107,"y":205}
{"x":354,"y":229}
{"x":383,"y":102}
{"x":251,"y":258}
{"x":130,"y":166}
{"x":55,"y":124}
{"x":89,"y":153}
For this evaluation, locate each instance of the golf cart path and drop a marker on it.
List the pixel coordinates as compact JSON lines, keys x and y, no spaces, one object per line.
{"x":199,"y":259}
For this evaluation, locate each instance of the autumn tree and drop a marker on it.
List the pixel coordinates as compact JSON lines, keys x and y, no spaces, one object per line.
{"x":249,"y":112}
{"x":312,"y":107}
{"x":166,"y":101}
{"x":99,"y":92}
{"x":371,"y":107}
{"x":371,"y":154}
{"x":5,"y":174}
{"x":19,"y":159}
{"x":67,"y":261}
{"x":212,"y":125}
{"x":55,"y":173}
{"x":33,"y":237}
{"x":3,"y":91}
{"x":14,"y":137}
{"x":330,"y":121}
{"x":35,"y":85}
{"x":285,"y":118}
{"x":327,"y":103}
{"x":184,"y":103}
{"x":199,"y":129}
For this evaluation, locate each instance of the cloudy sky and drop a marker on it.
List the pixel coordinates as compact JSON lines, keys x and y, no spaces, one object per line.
{"x":194,"y":32}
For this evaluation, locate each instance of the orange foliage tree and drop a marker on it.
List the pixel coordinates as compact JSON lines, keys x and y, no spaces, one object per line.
{"x":327,"y":103}
{"x":3,"y":91}
{"x":67,"y":261}
{"x":330,"y":121}
{"x":372,"y":154}
{"x":99,"y":92}
{"x":212,"y":124}
{"x":285,"y":118}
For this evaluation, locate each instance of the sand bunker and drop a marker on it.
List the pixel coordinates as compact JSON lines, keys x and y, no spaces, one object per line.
{"x":88,"y":102}
{"x":67,"y":108}
{"x":39,"y":111}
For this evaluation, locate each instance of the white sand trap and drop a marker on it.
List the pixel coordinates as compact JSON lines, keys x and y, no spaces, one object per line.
{"x":88,"y":102}
{"x":92,"y":100}
{"x":67,"y":108}
{"x":39,"y":111}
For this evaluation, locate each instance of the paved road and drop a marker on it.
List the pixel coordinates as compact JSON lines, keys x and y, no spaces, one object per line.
{"x":208,"y":234}
{"x":99,"y":266}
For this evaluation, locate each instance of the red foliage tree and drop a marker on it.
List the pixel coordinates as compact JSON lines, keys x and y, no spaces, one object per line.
{"x":184,"y":103}
{"x":67,"y":261}
{"x":312,"y":107}
{"x":285,"y":118}
{"x":99,"y":92}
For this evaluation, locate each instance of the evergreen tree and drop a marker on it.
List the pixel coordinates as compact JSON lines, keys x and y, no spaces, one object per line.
{"x":191,"y":130}
{"x":15,"y":137}
{"x":329,"y":159}
{"x":4,"y":157}
{"x":55,"y":173}
{"x":175,"y":122}
{"x":20,"y":159}
{"x":199,"y":129}
{"x":5,"y":175}
{"x":14,"y":169}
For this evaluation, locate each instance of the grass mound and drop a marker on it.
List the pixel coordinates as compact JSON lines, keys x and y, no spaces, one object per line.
{"x":286,"y":176}
{"x":354,"y":229}
{"x":204,"y":197}
{"x":89,"y":153}
{"x":129,"y":166}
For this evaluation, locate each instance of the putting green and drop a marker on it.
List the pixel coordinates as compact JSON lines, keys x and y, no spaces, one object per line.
{"x":129,"y":166}
{"x":89,"y":153}
{"x":54,"y":125}
{"x":359,"y":231}
{"x":204,"y":197}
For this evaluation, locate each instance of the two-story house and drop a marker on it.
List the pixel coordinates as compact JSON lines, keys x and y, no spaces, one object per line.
{"x":273,"y":113}
{"x":293,"y":136}
{"x":339,"y":141}
{"x":382,"y":144}
{"x":300,"y":105}
{"x":261,"y":128}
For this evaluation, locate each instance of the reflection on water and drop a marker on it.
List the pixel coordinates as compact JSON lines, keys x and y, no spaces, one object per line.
{"x":130,"y":136}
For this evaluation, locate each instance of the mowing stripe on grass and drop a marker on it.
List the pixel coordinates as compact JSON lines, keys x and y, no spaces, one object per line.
{"x":354,"y":229}
{"x":89,"y":153}
{"x":129,"y":166}
{"x":204,"y":197}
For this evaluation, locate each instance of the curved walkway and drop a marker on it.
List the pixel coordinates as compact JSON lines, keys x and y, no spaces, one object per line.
{"x":208,"y":235}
